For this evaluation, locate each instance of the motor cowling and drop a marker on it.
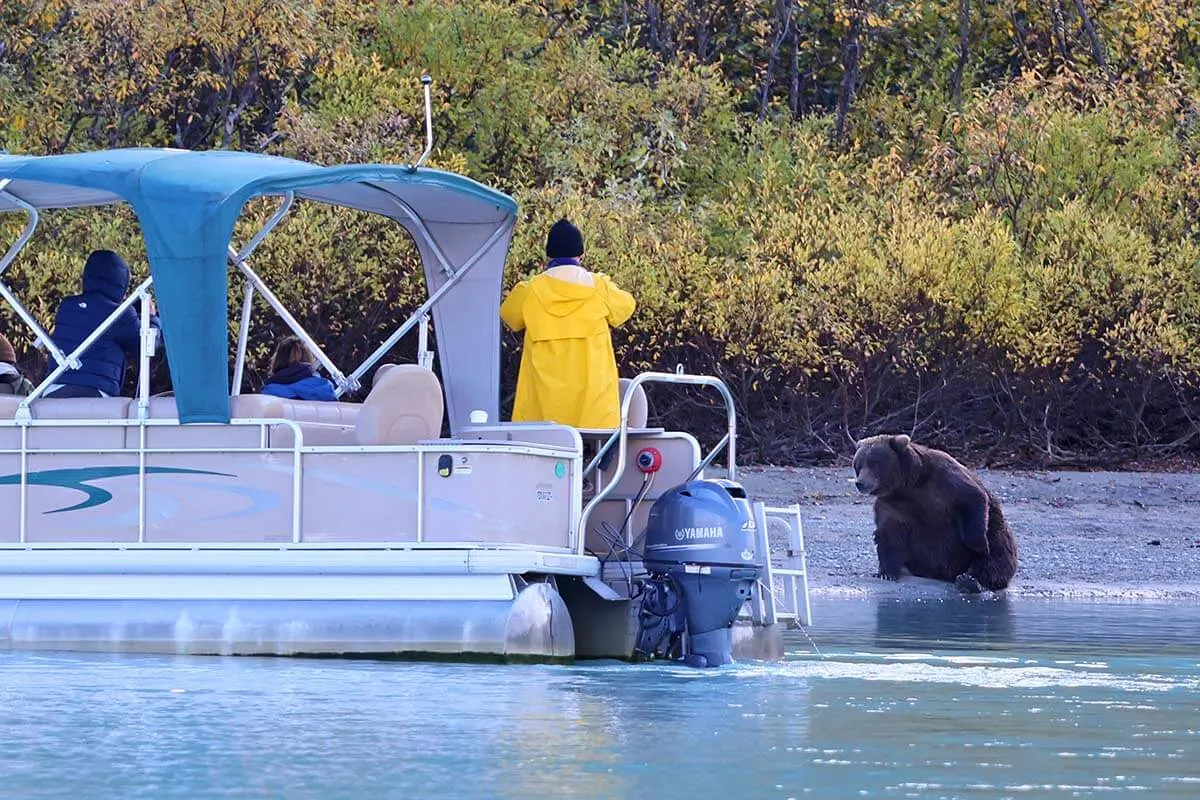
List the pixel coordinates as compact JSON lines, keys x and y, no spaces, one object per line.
{"x":701,"y":556}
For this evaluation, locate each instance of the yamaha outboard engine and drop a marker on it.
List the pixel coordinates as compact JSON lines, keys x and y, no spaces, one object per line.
{"x":702,"y":565}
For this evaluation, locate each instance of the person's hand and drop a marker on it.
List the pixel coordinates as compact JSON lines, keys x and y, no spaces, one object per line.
{"x":153,"y":306}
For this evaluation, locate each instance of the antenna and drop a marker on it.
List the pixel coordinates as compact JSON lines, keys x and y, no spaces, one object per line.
{"x":427,"y":81}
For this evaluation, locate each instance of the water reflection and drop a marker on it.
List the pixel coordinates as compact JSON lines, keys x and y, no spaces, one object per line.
{"x":691,"y":725}
{"x":1076,"y":628}
{"x":955,"y":623}
{"x":981,"y":697}
{"x":953,"y":698}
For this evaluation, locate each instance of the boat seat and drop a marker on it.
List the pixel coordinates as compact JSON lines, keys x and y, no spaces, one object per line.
{"x":80,"y":407}
{"x":404,"y":407}
{"x":256,"y":406}
{"x":8,"y":405}
{"x":380,"y":372}
{"x":322,"y":411}
{"x":186,"y":436}
{"x":334,"y":423}
{"x":320,"y":421}
{"x":260,"y":406}
{"x":102,"y":437}
{"x":639,"y":406}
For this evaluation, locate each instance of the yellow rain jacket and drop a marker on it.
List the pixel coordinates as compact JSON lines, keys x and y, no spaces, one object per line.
{"x":568,"y":371}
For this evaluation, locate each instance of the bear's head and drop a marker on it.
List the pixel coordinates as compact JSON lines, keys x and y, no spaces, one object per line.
{"x":883,"y":464}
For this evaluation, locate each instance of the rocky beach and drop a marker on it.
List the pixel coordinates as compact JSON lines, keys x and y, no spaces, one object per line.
{"x":1098,"y":535}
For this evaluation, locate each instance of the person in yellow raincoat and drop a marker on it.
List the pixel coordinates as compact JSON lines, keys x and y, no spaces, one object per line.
{"x":568,"y":370}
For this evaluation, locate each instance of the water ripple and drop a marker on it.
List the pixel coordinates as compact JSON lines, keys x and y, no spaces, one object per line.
{"x":1025,"y":700}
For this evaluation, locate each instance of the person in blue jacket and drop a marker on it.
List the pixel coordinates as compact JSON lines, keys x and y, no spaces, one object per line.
{"x":293,"y":375}
{"x":102,"y":366}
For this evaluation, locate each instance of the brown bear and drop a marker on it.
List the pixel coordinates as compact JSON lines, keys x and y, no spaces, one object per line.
{"x":933,"y":516}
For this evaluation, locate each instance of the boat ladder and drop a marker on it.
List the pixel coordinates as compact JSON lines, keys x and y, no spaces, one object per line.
{"x":781,"y":593}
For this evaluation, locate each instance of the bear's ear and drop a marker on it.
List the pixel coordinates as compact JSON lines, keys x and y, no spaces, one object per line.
{"x":900,"y":442}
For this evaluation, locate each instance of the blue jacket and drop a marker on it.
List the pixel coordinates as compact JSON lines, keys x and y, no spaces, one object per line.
{"x":299,"y":382}
{"x":105,"y":284}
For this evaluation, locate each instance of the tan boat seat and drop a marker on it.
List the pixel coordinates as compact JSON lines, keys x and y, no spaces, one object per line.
{"x":8,"y":405}
{"x":102,"y":437}
{"x":186,"y":436}
{"x":639,"y":406}
{"x":380,"y":371}
{"x":256,"y":406}
{"x":322,"y":411}
{"x":404,"y":407}
{"x":80,"y":407}
{"x":337,"y":423}
{"x":321,"y":422}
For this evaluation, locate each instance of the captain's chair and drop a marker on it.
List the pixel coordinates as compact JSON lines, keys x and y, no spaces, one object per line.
{"x":639,"y":406}
{"x":404,"y":406}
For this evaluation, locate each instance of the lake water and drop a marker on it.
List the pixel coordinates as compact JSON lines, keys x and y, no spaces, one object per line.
{"x":928,"y":699}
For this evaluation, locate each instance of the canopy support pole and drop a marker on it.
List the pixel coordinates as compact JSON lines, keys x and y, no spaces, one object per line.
{"x":423,"y":309}
{"x":253,"y":282}
{"x":420,"y":226}
{"x":267,"y":227}
{"x":243,"y":337}
{"x":149,"y":339}
{"x":41,"y":337}
{"x":424,"y":354}
{"x":244,"y":327}
{"x":22,"y":413}
{"x":342,"y":381}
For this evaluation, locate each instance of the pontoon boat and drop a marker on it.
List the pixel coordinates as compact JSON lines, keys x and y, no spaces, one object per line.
{"x":413,"y":523}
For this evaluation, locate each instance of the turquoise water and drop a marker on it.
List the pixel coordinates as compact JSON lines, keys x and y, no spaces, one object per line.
{"x":925,"y":699}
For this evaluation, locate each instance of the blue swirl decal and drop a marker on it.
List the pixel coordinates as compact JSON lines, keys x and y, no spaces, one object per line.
{"x":81,"y":479}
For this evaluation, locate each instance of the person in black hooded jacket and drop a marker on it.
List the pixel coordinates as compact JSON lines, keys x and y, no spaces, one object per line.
{"x":102,"y":367}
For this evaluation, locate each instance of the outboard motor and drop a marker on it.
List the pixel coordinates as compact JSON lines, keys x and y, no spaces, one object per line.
{"x":702,"y":565}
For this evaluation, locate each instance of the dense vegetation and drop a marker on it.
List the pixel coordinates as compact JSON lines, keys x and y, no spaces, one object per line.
{"x":972,"y":221}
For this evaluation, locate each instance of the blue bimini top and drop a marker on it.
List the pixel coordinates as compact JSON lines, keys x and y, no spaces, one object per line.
{"x":187,"y":202}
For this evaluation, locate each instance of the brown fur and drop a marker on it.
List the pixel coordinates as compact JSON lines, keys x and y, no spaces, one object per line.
{"x":933,"y":516}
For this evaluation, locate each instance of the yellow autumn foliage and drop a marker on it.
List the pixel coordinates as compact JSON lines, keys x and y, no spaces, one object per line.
{"x":991,"y":245}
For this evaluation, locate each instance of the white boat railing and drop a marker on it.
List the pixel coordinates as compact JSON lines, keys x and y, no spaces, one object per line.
{"x":41,"y":337}
{"x":142,"y":451}
{"x":421,"y":314}
{"x":620,"y":436}
{"x":296,"y":451}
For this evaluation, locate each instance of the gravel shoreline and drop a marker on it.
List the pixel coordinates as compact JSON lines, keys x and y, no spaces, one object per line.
{"x":1098,"y":535}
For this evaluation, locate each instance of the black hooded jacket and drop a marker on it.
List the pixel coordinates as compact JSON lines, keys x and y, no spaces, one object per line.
{"x":105,"y":284}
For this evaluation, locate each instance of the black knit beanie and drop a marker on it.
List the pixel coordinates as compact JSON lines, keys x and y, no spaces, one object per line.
{"x":564,"y":241}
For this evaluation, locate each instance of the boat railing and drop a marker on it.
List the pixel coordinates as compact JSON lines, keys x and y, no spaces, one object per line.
{"x":41,"y":337}
{"x":619,"y":438}
{"x":295,"y":451}
{"x":70,"y":360}
{"x":264,"y":425}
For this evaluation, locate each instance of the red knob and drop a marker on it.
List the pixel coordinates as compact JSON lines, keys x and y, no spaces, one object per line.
{"x":649,"y":460}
